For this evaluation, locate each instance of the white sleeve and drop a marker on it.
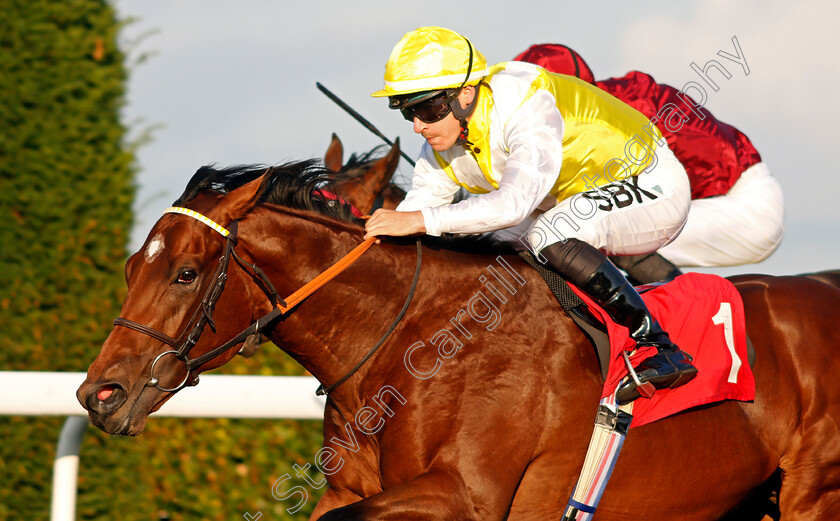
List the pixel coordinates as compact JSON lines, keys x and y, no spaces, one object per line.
{"x":430,"y":188}
{"x":534,"y":138}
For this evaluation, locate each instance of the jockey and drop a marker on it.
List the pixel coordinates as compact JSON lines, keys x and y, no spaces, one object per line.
{"x":557,"y":164}
{"x":737,"y":208}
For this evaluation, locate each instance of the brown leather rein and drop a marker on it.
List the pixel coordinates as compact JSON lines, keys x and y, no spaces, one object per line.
{"x":203,"y":315}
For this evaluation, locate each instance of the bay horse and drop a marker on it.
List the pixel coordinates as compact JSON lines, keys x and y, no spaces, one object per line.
{"x":365,"y":180}
{"x":479,"y":405}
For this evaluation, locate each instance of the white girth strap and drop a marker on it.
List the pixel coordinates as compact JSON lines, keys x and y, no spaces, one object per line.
{"x":611,"y":426}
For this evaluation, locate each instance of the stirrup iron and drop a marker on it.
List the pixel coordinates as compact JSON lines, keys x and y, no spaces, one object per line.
{"x":645,"y":389}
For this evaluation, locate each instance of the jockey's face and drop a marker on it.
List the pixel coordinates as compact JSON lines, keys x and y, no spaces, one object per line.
{"x":442,"y":134}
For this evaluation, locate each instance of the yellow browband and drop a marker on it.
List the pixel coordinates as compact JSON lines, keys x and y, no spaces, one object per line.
{"x":195,"y":215}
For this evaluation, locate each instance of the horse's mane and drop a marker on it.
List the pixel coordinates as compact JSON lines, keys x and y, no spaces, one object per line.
{"x":298,"y":185}
{"x":293,"y":185}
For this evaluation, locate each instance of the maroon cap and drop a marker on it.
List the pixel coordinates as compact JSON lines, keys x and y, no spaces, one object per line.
{"x":556,"y":57}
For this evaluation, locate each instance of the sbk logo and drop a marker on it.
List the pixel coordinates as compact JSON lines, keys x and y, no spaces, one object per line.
{"x":619,"y":194}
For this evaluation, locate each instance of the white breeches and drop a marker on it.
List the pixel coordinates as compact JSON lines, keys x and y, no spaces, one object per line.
{"x":628,"y":217}
{"x":743,"y":226}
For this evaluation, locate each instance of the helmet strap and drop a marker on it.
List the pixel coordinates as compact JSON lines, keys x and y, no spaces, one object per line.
{"x":462,"y":113}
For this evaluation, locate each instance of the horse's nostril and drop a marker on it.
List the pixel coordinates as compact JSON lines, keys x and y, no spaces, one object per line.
{"x":106,"y":399}
{"x":105,"y":392}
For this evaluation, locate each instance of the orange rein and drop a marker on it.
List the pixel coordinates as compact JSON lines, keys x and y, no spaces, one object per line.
{"x":325,"y":276}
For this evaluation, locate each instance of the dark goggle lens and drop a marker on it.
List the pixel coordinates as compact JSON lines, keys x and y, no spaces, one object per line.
{"x":431,"y":110}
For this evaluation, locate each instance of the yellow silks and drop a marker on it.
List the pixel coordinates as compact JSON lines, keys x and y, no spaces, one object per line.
{"x":604,"y":139}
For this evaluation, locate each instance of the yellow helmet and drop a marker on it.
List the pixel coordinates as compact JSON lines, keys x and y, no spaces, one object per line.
{"x":431,"y":58}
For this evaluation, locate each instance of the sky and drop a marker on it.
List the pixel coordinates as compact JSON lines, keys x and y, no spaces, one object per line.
{"x":220,"y":82}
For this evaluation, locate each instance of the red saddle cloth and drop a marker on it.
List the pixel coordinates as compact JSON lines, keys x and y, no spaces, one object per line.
{"x":704,"y":315}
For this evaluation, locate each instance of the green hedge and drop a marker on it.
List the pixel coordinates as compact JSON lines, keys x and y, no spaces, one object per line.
{"x":66,"y":192}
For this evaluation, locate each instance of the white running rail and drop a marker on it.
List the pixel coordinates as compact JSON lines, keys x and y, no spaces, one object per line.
{"x":31,"y":393}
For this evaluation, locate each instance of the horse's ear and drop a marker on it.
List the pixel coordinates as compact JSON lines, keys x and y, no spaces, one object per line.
{"x":334,"y":158}
{"x":239,"y":202}
{"x":379,"y":175}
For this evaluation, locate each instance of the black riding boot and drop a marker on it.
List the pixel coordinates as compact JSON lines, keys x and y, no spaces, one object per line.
{"x":591,"y":271}
{"x":644,"y":269}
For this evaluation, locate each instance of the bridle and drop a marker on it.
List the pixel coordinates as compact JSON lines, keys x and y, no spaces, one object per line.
{"x":203,"y":315}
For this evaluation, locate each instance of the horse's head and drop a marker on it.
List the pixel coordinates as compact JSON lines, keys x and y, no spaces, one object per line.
{"x":194,"y":295}
{"x":366,"y":179}
{"x":167,"y":322}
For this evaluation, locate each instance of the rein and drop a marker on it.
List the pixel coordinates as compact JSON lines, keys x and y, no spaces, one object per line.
{"x":324,"y":391}
{"x":203,"y":315}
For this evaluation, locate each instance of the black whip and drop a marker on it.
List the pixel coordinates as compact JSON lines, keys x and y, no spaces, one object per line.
{"x":358,"y":117}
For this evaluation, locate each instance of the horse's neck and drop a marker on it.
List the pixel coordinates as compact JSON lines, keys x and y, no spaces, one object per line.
{"x":330,"y":331}
{"x":335,"y":327}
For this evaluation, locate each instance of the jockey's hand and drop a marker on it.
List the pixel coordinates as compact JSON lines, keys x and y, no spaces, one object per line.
{"x":393,"y":223}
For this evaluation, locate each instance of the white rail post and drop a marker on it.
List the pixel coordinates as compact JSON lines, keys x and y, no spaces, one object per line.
{"x":66,"y":469}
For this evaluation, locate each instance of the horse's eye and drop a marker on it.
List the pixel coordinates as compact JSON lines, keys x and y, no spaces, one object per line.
{"x":186,"y":277}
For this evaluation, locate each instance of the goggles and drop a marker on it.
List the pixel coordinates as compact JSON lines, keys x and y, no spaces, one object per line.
{"x":428,"y":107}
